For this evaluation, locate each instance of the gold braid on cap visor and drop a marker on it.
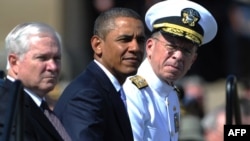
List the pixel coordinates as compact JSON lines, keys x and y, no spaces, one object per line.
{"x":180,"y":31}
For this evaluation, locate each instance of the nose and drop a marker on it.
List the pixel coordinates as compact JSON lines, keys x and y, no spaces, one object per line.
{"x":53,"y":64}
{"x":178,"y":54}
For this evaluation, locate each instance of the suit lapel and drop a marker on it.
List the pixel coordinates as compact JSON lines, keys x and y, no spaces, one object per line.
{"x":37,"y":114}
{"x":117,"y":103}
{"x":121,"y":113}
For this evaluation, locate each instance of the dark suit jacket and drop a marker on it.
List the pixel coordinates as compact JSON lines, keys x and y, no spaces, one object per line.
{"x":36,"y":125}
{"x":91,"y":109}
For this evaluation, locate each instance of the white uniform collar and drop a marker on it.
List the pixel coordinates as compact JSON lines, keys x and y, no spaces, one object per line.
{"x":146,"y":71}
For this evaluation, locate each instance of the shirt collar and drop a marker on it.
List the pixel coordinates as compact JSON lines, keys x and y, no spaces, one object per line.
{"x":111,"y":77}
{"x":35,"y":98}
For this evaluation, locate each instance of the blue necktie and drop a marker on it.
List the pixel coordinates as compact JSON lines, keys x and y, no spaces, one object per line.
{"x":123,"y":97}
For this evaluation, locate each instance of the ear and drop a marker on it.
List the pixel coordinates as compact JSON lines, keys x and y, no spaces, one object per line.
{"x":149,"y":46}
{"x":194,"y":58}
{"x":13,"y":62}
{"x":96,"y":43}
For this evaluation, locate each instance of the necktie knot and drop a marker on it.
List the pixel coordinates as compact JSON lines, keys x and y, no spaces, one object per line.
{"x":44,"y":106}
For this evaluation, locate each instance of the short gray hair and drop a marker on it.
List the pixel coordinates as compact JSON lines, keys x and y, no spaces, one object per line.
{"x":17,"y":41}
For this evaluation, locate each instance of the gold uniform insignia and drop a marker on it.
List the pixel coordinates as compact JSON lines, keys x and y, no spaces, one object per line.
{"x":176,"y":122}
{"x":139,"y":81}
{"x":179,"y":91}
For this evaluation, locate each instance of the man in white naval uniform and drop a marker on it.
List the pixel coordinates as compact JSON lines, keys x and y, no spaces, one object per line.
{"x":154,"y":109}
{"x":178,"y":28}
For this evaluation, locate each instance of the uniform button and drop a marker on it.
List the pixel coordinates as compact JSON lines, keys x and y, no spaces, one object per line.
{"x":172,"y":133}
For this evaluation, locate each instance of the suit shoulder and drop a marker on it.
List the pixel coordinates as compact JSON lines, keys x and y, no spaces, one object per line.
{"x":1,"y":82}
{"x":139,"y":81}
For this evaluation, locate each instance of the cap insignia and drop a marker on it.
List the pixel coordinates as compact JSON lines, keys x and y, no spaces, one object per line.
{"x":190,"y":16}
{"x":139,"y":81}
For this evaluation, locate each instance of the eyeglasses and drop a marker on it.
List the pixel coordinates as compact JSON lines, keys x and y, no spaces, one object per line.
{"x":173,"y":48}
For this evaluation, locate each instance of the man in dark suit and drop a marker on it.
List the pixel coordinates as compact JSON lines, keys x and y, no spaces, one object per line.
{"x":34,"y":58}
{"x":91,"y":108}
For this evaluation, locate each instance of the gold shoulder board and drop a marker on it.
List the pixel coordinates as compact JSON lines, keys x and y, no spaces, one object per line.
{"x":139,"y":81}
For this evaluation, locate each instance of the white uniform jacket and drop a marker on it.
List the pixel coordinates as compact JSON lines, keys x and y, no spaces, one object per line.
{"x":153,"y":106}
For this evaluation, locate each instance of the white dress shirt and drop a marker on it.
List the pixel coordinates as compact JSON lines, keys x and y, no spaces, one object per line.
{"x":154,"y":110}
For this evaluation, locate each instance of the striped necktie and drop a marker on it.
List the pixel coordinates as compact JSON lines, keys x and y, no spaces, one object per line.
{"x":55,"y":121}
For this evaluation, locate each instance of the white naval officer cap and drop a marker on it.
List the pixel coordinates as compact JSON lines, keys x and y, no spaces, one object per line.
{"x":182,"y":18}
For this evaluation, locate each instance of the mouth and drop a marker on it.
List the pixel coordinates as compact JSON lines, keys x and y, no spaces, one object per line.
{"x":51,"y":77}
{"x":132,"y":60}
{"x":174,"y":67}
